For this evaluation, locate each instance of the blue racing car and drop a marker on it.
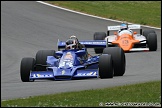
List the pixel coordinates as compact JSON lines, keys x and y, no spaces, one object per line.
{"x":74,"y":62}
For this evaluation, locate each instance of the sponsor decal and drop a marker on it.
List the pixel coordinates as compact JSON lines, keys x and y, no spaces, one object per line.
{"x":125,"y":42}
{"x":87,"y":74}
{"x":68,"y":56}
{"x":90,"y":73}
{"x":93,"y":42}
{"x":63,"y":72}
{"x":38,"y":75}
{"x":95,"y":73}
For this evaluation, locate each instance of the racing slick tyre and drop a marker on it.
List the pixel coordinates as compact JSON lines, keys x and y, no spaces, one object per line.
{"x":118,"y":57}
{"x":99,"y":36}
{"x":41,"y":57}
{"x":106,"y":66}
{"x":152,"y":41}
{"x":146,"y":32}
{"x":27,"y":65}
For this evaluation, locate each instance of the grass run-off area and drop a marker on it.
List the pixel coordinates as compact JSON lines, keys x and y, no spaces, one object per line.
{"x":140,"y":94}
{"x":138,"y":12}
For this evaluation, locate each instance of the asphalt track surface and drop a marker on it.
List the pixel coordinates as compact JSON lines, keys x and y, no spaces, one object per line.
{"x":27,"y":27}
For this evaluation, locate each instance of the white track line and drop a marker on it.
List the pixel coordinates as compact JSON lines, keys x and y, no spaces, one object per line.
{"x":88,"y":14}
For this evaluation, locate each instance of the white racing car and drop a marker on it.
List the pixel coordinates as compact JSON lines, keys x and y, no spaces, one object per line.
{"x":128,"y":40}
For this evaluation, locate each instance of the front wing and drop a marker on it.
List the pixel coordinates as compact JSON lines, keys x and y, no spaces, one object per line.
{"x":64,"y":74}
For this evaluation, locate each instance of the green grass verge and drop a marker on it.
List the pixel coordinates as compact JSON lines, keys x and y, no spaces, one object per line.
{"x":148,"y":92}
{"x":139,"y":12}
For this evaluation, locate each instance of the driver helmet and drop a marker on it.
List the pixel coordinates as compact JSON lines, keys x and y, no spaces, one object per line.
{"x":71,"y":43}
{"x":74,"y":37}
{"x":124,"y":26}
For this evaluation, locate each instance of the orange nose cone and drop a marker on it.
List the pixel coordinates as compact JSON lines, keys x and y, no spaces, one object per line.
{"x":126,"y":42}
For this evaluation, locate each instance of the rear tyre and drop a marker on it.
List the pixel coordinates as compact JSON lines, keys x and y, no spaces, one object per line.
{"x":27,"y":65}
{"x":108,"y":33}
{"x":118,"y":57}
{"x":146,"y":32}
{"x":41,"y":58}
{"x":99,"y":36}
{"x":106,"y":66}
{"x":152,"y":41}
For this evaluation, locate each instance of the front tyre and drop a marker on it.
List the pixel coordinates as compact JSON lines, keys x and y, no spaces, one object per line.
{"x":27,"y":65}
{"x":106,"y":66}
{"x":152,"y":41}
{"x":118,"y":57}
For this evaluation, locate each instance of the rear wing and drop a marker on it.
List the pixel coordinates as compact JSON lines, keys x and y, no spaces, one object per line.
{"x":87,"y":43}
{"x":134,"y":26}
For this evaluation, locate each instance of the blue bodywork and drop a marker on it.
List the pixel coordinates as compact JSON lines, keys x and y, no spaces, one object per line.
{"x":71,"y":64}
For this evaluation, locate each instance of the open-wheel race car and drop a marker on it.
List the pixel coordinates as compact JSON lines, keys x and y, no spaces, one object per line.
{"x":127,"y":39}
{"x":68,"y":64}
